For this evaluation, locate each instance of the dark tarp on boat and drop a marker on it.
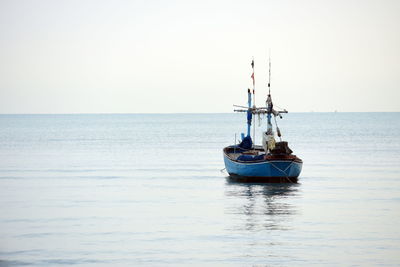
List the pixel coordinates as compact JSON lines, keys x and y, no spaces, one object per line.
{"x":246,"y":143}
{"x":250,"y":157}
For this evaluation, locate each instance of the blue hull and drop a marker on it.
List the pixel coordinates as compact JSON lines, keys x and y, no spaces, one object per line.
{"x":264,"y":171}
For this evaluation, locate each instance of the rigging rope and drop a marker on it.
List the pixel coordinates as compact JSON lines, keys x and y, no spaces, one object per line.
{"x":284,"y":171}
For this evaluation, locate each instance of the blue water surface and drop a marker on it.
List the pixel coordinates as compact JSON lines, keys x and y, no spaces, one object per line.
{"x":147,"y":190}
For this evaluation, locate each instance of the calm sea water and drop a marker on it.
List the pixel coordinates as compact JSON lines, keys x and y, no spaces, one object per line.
{"x":147,"y":190}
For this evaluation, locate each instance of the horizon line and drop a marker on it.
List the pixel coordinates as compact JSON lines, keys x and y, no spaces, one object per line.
{"x":183,"y":113}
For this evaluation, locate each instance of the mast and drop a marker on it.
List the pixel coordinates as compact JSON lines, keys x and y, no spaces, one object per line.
{"x":249,"y":113}
{"x":270,"y":108}
{"x":269,"y":102}
{"x":269,"y":73}
{"x":254,"y":100}
{"x":251,"y":110}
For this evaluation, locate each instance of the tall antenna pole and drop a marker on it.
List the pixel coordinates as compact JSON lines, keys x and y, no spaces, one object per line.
{"x":254,"y":83}
{"x":269,"y":102}
{"x":254,"y":101}
{"x":269,"y":74}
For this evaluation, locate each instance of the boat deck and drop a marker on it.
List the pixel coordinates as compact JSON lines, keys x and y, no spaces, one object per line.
{"x":233,"y":152}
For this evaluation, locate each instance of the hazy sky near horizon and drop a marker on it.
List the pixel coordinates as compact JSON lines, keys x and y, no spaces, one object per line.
{"x":194,"y":56}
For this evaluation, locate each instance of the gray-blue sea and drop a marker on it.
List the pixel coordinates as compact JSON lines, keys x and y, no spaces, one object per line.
{"x":147,"y":190}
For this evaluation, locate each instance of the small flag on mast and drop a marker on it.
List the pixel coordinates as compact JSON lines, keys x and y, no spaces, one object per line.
{"x":252,"y":75}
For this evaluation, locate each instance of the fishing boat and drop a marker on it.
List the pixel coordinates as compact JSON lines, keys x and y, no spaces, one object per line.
{"x":272,"y":161}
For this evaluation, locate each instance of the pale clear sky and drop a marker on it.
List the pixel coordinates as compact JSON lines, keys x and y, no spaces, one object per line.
{"x":78,"y":56}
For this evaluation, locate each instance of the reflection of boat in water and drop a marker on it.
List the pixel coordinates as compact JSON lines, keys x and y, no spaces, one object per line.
{"x":263,"y":207}
{"x":261,"y":189}
{"x":273,"y":162}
